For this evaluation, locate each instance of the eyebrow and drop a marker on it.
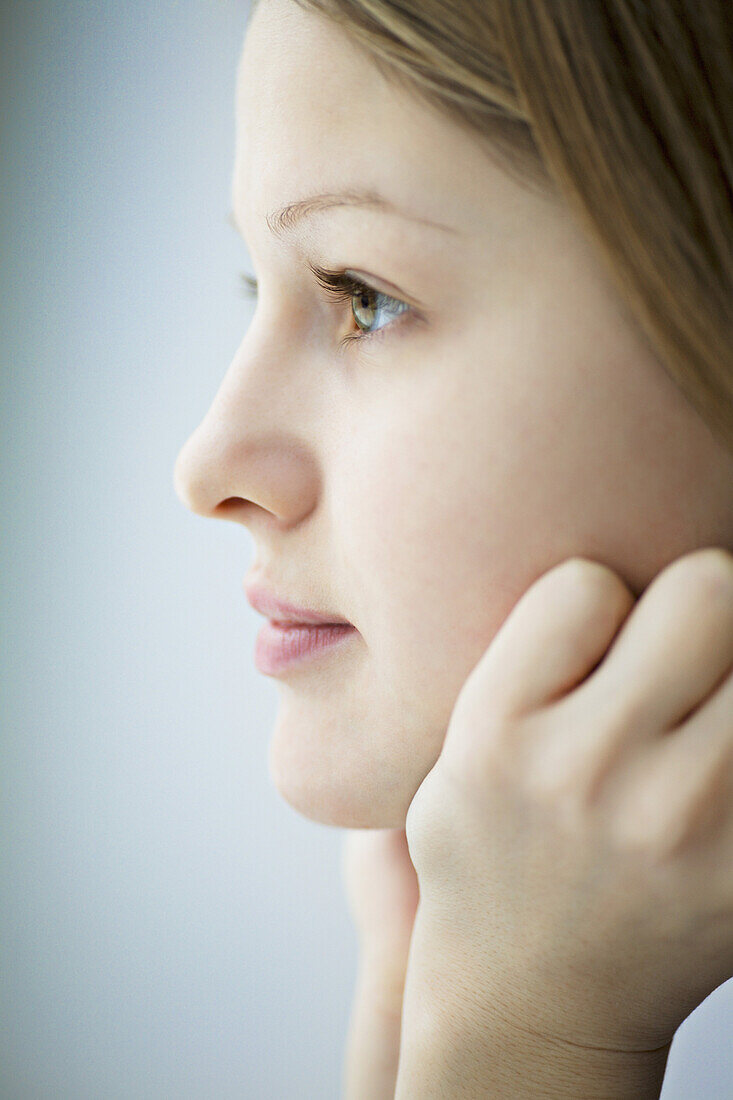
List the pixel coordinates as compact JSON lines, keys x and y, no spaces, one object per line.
{"x":282,"y":222}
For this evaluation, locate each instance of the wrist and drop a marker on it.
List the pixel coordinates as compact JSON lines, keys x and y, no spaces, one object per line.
{"x":373,"y":1042}
{"x":380,"y":983}
{"x":446,"y":1054}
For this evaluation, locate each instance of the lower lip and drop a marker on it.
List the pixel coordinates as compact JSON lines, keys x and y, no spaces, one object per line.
{"x":280,"y":646}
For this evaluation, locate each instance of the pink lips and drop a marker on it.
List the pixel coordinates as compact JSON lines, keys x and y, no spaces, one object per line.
{"x":279,"y":645}
{"x":263,"y":600}
{"x":294,"y":633}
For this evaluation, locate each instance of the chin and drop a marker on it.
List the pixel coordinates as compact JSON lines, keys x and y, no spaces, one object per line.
{"x":342,"y":801}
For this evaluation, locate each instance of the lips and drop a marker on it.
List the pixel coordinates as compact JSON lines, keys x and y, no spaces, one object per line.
{"x":285,"y":612}
{"x":280,"y":648}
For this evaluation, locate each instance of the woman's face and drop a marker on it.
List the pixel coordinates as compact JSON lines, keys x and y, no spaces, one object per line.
{"x":418,"y":480}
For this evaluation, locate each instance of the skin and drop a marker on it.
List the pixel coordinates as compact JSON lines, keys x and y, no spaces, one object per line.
{"x":418,"y":484}
{"x":574,"y":842}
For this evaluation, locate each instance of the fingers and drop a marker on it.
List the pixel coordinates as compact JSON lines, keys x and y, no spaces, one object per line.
{"x":605,"y":671}
{"x":553,"y":637}
{"x":674,"y":649}
{"x":682,"y":791}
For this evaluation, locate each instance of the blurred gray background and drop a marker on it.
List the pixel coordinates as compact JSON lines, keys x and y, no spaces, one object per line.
{"x":171,"y":928}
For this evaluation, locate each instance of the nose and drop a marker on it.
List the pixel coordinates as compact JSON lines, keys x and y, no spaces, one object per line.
{"x":250,"y":459}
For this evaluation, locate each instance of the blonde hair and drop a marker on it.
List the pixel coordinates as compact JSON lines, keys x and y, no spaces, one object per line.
{"x":623,"y":107}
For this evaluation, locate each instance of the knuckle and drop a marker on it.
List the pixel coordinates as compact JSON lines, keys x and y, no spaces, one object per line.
{"x":709,"y":569}
{"x":564,"y":796}
{"x":557,"y":777}
{"x":581,"y":572}
{"x":705,"y":805}
{"x":594,"y":582}
{"x":645,"y":832}
{"x":649,"y":821}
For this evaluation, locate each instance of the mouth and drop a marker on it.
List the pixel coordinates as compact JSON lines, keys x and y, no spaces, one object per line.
{"x":281,"y":645}
{"x":284,"y":613}
{"x":294,"y":634}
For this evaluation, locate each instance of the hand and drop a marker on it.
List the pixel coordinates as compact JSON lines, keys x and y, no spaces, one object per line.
{"x":574,"y":841}
{"x":382,"y":894}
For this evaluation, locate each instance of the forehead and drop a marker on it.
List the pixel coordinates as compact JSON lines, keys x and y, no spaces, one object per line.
{"x":311,"y":106}
{"x":286,"y":45}
{"x":314,"y":113}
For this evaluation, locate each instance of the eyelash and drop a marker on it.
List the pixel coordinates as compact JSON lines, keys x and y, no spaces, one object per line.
{"x":342,"y":287}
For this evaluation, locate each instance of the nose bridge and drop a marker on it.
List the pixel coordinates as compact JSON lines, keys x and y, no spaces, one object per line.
{"x":250,"y":444}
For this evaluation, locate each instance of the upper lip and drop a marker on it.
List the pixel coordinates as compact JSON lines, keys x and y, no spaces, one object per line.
{"x":264,"y":600}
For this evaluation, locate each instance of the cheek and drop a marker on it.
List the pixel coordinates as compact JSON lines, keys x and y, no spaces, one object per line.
{"x":430,"y":548}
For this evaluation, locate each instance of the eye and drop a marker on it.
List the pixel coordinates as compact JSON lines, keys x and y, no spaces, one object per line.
{"x":367,"y":302}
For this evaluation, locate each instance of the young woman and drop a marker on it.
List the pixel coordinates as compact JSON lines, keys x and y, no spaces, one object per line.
{"x":482,"y":424}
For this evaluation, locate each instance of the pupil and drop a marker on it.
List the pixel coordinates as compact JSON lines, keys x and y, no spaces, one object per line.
{"x":362,"y":302}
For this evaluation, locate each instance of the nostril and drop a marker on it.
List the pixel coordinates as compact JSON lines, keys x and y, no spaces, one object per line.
{"x":232,"y":504}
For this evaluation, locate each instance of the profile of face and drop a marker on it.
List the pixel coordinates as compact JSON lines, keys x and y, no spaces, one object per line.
{"x":497,"y":412}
